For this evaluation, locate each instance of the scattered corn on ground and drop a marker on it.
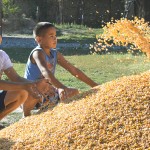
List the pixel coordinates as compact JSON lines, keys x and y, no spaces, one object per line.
{"x":112,"y":116}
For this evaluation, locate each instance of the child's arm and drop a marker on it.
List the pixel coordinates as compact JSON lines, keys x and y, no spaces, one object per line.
{"x":75,"y":71}
{"x":14,"y":76}
{"x":17,"y":82}
{"x":39,"y":59}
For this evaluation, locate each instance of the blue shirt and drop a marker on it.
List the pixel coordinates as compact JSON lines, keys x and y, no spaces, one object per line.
{"x":32,"y":72}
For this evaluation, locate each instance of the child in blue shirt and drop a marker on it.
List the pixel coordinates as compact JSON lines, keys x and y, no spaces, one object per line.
{"x":42,"y":63}
{"x":15,"y":91}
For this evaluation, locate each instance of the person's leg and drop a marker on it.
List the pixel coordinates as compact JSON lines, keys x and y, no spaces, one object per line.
{"x":2,"y":97}
{"x":29,"y":105}
{"x":12,"y":101}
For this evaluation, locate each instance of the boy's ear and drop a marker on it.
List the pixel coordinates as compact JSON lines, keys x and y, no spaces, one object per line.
{"x":37,"y":39}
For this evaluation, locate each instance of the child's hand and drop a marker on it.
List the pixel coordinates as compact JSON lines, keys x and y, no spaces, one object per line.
{"x":40,"y":88}
{"x":67,"y":93}
{"x":45,"y":88}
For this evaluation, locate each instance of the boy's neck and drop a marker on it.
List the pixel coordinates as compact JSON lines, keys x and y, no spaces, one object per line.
{"x":46,"y":50}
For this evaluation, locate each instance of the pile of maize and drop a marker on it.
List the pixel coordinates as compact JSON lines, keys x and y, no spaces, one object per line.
{"x":114,"y":115}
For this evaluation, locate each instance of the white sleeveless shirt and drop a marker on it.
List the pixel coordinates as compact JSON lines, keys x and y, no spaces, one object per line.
{"x":5,"y":62}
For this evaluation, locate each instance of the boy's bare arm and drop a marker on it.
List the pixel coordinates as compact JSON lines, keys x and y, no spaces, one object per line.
{"x":36,"y":89}
{"x":39,"y":86}
{"x":14,"y":76}
{"x":39,"y":59}
{"x":75,"y":71}
{"x":12,"y":86}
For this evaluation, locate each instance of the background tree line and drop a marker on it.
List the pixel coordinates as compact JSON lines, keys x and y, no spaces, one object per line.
{"x":92,"y":13}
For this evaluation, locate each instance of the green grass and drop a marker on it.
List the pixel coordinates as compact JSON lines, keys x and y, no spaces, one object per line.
{"x":81,"y":36}
{"x":103,"y":68}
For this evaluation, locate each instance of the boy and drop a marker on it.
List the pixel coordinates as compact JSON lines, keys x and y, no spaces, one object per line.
{"x":42,"y":63}
{"x":15,"y":92}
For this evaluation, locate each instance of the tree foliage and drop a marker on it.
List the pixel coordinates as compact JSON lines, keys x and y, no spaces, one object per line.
{"x":91,"y":13}
{"x":10,"y":8}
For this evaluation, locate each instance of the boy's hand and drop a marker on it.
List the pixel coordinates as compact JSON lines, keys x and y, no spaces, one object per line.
{"x":45,"y":88}
{"x":40,"y":88}
{"x":67,"y":93}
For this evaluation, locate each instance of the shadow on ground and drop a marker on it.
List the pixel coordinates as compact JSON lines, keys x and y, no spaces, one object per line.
{"x":6,"y":144}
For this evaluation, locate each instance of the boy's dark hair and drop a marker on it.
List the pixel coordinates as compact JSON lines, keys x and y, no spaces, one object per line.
{"x":41,"y":28}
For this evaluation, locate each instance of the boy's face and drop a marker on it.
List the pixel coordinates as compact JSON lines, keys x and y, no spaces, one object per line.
{"x":49,"y":39}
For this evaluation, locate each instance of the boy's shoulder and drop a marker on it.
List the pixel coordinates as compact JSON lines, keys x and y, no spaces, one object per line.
{"x":3,"y":54}
{"x":1,"y":51}
{"x":37,"y":48}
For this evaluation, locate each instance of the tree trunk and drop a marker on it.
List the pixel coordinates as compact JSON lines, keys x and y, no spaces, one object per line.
{"x":140,"y":8}
{"x":129,"y":9}
{"x":1,"y":17}
{"x":60,"y":5}
{"x":147,"y":10}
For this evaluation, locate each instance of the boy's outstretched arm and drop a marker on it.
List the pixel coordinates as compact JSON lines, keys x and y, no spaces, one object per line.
{"x":39,"y":59}
{"x":75,"y":71}
{"x":64,"y":92}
